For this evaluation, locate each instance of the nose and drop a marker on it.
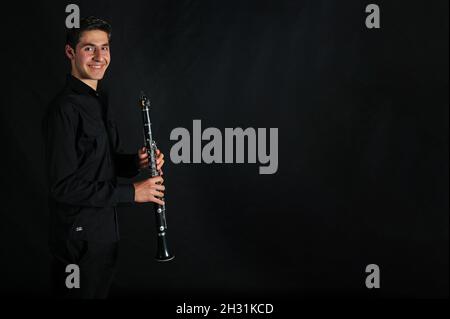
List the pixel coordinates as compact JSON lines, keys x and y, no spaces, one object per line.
{"x":97,"y":55}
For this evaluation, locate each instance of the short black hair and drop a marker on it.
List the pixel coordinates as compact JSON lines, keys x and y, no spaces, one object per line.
{"x":87,"y":24}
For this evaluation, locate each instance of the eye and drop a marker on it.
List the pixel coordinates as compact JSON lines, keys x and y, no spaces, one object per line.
{"x":88,"y":49}
{"x":105,"y":49}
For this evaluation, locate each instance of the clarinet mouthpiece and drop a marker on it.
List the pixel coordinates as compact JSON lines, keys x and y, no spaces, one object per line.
{"x":144,"y":100}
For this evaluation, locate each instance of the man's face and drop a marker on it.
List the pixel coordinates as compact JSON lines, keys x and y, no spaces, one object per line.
{"x":91,"y":57}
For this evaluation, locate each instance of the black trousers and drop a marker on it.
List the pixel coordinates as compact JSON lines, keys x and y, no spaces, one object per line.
{"x":95,"y":261}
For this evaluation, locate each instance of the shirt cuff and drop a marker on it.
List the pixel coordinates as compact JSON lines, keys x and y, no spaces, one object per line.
{"x":125,"y":193}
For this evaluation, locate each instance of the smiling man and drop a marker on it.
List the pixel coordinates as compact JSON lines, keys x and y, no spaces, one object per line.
{"x":84,"y":159}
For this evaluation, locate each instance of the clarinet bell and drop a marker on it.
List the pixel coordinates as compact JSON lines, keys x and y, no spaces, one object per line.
{"x":162,"y":252}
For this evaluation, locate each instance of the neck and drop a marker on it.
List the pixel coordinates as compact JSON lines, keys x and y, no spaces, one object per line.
{"x":92,"y":83}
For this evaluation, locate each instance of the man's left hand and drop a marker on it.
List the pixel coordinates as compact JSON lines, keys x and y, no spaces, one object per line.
{"x":143,"y":159}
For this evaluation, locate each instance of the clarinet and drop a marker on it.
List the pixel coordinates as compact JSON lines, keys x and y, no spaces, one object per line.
{"x":162,"y":250}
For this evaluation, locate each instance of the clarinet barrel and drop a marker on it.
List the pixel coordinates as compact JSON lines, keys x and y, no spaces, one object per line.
{"x":162,"y":249}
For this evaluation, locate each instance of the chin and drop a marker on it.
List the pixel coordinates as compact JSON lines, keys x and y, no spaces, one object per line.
{"x":94,"y":76}
{"x":97,"y":77}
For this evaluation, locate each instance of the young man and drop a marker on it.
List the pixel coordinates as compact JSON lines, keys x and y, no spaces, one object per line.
{"x":83,"y":157}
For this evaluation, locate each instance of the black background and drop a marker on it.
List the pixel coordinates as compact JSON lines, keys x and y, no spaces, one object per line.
{"x":363,"y":145}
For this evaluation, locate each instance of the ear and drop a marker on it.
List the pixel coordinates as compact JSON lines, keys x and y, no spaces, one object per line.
{"x":70,"y":53}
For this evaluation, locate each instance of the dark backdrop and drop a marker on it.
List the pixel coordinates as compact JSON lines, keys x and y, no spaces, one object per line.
{"x":363,"y":144}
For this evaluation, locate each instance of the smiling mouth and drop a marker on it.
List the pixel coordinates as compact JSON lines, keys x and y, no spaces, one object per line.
{"x":96,"y":66}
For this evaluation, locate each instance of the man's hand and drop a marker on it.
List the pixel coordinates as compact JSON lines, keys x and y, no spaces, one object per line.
{"x":149,"y":190}
{"x":143,"y":159}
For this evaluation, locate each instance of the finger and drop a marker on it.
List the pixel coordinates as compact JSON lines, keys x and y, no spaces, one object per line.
{"x":142,"y":153}
{"x":158,"y":151}
{"x":158,"y":201}
{"x":160,"y":187}
{"x":157,"y":193}
{"x":160,"y":165}
{"x":157,"y":179}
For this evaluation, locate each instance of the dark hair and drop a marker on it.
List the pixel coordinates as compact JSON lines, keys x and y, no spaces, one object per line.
{"x":87,"y":24}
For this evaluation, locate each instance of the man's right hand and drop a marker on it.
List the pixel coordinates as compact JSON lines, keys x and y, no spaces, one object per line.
{"x":149,"y":190}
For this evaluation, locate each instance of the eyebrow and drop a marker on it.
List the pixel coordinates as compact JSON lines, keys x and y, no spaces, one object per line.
{"x":92,"y":44}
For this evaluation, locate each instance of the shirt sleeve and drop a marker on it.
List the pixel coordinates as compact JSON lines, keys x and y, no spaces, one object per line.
{"x":65,"y":184}
{"x":126,"y":165}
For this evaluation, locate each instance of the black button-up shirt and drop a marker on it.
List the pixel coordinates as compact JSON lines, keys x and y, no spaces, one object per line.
{"x":82,"y":153}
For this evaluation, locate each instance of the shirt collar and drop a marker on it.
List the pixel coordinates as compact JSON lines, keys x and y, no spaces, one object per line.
{"x":79,"y":86}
